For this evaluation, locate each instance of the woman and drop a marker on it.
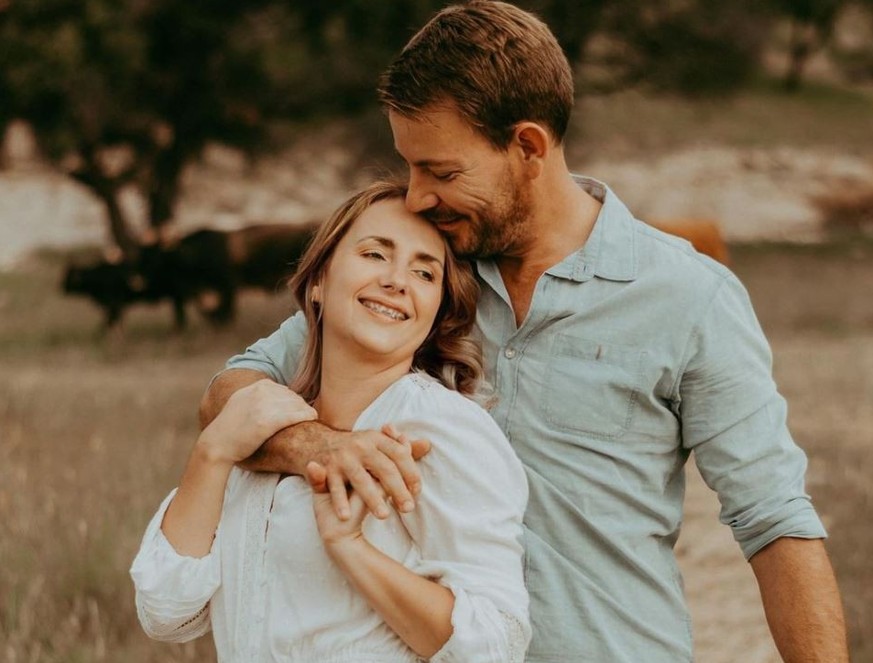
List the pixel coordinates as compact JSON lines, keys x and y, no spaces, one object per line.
{"x":267,"y":564}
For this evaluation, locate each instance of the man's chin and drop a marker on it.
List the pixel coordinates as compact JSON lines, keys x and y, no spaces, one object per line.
{"x":464,"y":250}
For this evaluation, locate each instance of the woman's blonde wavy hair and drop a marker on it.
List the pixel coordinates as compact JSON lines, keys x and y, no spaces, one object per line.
{"x":449,"y":354}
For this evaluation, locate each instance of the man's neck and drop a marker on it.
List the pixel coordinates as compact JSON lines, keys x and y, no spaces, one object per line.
{"x":562,"y":219}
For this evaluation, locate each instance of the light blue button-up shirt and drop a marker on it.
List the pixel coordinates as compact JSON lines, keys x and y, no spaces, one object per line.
{"x":636,"y":351}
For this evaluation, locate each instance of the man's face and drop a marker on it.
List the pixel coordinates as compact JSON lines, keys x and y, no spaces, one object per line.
{"x":461,"y":183}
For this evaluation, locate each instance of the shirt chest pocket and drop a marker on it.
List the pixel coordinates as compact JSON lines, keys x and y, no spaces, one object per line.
{"x":592,"y":387}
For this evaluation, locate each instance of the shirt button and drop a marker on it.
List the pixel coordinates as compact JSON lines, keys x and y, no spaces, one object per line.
{"x":509,"y":353}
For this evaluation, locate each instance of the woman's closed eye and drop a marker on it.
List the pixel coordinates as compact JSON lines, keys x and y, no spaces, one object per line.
{"x":425,"y":274}
{"x":373,"y":255}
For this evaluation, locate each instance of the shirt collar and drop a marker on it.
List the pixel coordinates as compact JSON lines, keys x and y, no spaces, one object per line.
{"x":610,"y":251}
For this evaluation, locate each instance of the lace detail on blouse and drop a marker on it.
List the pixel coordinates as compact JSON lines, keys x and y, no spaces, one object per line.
{"x":515,"y":637}
{"x":251,"y":604}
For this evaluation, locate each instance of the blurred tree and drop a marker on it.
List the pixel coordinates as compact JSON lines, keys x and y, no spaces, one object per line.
{"x":811,"y":28}
{"x":851,"y":46}
{"x":126,"y":92}
{"x":694,"y":47}
{"x":574,"y":23}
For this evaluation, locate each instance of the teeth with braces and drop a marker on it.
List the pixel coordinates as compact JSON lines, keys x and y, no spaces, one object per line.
{"x":390,"y":312}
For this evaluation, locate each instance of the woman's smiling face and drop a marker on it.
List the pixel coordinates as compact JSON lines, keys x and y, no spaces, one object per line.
{"x":383,"y":285}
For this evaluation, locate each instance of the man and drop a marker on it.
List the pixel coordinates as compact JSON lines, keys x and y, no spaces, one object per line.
{"x":615,"y":351}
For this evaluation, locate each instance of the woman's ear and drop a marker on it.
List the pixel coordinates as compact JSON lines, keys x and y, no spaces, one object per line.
{"x":315,"y":294}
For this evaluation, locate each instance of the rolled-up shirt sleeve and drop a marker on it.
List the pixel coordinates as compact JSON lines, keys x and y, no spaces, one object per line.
{"x":173,"y":591}
{"x":276,"y":355}
{"x":734,"y":420}
{"x":467,"y":526}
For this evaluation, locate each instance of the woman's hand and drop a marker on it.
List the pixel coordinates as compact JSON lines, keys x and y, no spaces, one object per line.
{"x":250,"y":416}
{"x":335,"y":532}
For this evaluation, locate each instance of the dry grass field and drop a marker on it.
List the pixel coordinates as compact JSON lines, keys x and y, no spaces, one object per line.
{"x":94,"y":431}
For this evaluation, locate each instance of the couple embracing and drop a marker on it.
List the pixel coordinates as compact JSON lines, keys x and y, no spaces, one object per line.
{"x":484,"y":461}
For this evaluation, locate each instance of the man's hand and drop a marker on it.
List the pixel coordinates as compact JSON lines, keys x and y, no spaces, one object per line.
{"x":375,"y":464}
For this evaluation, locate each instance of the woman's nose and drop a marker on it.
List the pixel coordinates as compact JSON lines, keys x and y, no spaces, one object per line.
{"x":394,"y":278}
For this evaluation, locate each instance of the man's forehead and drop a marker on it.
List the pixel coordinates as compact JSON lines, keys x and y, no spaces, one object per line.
{"x":432,"y":139}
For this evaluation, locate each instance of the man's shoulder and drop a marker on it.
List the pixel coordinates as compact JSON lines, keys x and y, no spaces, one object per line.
{"x":673,"y":262}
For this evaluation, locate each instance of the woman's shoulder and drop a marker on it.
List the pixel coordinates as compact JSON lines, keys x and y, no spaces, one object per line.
{"x":447,"y":418}
{"x":420,"y":405}
{"x":425,"y":394}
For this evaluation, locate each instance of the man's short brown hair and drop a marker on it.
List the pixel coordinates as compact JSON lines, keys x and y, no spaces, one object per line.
{"x":496,"y":63}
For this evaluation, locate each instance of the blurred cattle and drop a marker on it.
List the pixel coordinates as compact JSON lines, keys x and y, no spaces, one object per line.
{"x":112,"y":286}
{"x":705,"y":236}
{"x":206,"y":263}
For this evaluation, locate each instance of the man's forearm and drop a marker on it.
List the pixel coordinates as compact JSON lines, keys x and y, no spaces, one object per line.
{"x":801,"y":601}
{"x":288,"y":451}
{"x":373,"y":462}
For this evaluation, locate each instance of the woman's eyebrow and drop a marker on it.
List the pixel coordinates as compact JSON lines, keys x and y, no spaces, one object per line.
{"x":389,"y":244}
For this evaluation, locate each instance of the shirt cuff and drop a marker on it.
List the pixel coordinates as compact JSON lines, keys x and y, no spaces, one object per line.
{"x":798,"y":519}
{"x":170,"y":586}
{"x":482,"y":634}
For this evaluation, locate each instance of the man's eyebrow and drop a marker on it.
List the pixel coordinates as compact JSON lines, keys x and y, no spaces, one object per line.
{"x":428,"y":163}
{"x":436,"y":163}
{"x":389,"y":244}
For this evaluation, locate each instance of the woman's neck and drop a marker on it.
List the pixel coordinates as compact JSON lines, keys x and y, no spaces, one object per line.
{"x":348,"y":387}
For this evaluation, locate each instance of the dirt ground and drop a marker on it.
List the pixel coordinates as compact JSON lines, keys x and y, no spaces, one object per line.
{"x":94,"y":431}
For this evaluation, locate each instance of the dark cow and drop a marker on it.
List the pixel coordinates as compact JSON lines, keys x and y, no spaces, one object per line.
{"x":264,"y":256}
{"x":111,"y":286}
{"x":205,"y":262}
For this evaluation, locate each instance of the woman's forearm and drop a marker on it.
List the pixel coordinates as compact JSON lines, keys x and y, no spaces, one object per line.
{"x":419,"y":610}
{"x":192,"y":517}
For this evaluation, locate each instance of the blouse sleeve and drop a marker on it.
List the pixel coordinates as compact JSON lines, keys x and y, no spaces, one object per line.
{"x":467,"y":526}
{"x":173,"y":591}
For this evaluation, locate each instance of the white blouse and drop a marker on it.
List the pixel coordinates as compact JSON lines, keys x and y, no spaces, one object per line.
{"x":269,"y":592}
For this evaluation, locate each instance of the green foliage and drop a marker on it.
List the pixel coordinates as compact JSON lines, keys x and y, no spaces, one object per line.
{"x":696,"y":48}
{"x":811,"y":24}
{"x":127,"y":92}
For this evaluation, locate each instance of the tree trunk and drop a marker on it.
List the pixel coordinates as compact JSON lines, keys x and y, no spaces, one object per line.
{"x":163,"y":185}
{"x":107,"y":190}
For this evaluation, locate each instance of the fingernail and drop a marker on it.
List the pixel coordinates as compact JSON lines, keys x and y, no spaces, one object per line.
{"x":382,"y":512}
{"x":407,"y":506}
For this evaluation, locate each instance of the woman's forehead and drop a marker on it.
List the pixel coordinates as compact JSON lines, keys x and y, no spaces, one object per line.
{"x":389,"y":219}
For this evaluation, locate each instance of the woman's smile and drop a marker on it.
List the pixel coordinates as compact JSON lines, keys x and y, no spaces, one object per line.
{"x":384,"y":310}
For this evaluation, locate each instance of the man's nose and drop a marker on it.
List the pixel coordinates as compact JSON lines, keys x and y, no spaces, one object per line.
{"x":419,"y":198}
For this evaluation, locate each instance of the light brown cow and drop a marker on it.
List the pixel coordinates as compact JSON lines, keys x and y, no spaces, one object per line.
{"x":704,"y":235}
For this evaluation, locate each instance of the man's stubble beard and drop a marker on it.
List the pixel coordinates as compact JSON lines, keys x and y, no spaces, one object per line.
{"x":497,"y":230}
